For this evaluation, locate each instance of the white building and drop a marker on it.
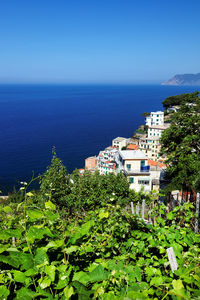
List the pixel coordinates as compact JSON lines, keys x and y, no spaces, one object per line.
{"x":106,"y":161}
{"x":119,"y":143}
{"x":134,"y":164}
{"x":106,"y":166}
{"x":150,"y":146}
{"x":157,"y":130}
{"x":155,"y":118}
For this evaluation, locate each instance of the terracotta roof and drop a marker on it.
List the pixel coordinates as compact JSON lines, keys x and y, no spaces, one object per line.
{"x":132,"y":147}
{"x":156,"y":163}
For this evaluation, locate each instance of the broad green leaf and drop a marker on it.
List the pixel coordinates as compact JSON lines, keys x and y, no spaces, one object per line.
{"x":19,"y":276}
{"x":177,"y":284}
{"x":138,"y":275}
{"x":35,"y":232}
{"x":156,"y":281}
{"x":170,"y":215}
{"x":41,"y":258}
{"x":81,"y":277}
{"x":44,"y":282}
{"x":103,"y":215}
{"x":4,"y":248}
{"x":50,"y":205}
{"x":71,"y":249}
{"x":9,"y":233}
{"x":50,"y":271}
{"x":98,"y":274}
{"x":68,"y":292}
{"x":35,"y":214}
{"x":7,"y":209}
{"x":25,"y":293}
{"x":64,"y":273}
{"x":83,"y":230}
{"x":51,"y":215}
{"x":12,"y":261}
{"x":31,"y":272}
{"x":55,"y":244}
{"x":81,"y":290}
{"x":4,"y":292}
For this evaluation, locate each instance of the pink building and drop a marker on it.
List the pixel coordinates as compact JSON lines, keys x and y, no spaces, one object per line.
{"x":90,"y":162}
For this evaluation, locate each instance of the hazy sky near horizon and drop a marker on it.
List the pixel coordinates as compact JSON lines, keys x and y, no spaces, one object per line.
{"x":98,"y":41}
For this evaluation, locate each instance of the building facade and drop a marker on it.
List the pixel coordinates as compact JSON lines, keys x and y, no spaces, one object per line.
{"x":157,"y":130}
{"x":91,"y":163}
{"x":134,"y":164}
{"x":155,"y":118}
{"x":151,"y":147}
{"x":119,"y":143}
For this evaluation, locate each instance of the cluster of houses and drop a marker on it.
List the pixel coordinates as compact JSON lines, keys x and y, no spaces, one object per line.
{"x":138,"y":159}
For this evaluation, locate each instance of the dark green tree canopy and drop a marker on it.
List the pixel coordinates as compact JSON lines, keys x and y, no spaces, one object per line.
{"x":179,"y":99}
{"x":181,"y":144}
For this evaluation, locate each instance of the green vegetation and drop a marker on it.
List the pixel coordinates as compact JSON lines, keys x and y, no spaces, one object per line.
{"x":179,"y":99}
{"x":104,"y":253}
{"x":145,"y":114}
{"x":181,"y":144}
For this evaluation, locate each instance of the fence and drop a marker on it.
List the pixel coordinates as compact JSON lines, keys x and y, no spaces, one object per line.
{"x":141,"y":209}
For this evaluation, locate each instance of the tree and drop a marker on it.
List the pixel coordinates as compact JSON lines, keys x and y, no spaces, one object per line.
{"x":92,"y":190}
{"x":178,"y":99}
{"x":55,"y":183}
{"x":181,"y":144}
{"x":146,"y":114}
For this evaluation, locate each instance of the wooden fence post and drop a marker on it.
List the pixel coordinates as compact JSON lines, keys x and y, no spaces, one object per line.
{"x":143,"y":208}
{"x":149,"y":215}
{"x":132,"y":208}
{"x":138,"y":209}
{"x":196,"y":228}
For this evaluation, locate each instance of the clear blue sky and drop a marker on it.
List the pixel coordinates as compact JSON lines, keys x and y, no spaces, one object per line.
{"x":98,"y":41}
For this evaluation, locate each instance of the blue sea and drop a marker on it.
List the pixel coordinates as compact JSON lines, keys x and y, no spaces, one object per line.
{"x":79,"y":120}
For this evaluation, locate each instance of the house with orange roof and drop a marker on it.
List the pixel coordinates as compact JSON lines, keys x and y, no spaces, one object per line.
{"x":132,"y":147}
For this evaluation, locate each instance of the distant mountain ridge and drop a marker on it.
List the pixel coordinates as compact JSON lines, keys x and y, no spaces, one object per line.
{"x":184,"y":79}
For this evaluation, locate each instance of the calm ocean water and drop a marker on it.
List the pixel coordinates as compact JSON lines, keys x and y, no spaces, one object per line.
{"x":80,"y":120}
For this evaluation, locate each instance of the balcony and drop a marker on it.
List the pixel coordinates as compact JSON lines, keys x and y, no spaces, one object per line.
{"x":144,"y":170}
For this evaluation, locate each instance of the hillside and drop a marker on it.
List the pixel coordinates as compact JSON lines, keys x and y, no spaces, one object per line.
{"x":184,"y":79}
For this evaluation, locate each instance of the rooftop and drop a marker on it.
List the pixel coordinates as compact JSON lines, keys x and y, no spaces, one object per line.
{"x":162,"y":127}
{"x":119,"y":139}
{"x":137,"y":154}
{"x":156,"y":163}
{"x":132,"y":147}
{"x":157,"y":112}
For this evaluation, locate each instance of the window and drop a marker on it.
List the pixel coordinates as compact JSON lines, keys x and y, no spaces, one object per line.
{"x":157,"y":116}
{"x":143,"y":182}
{"x":131,"y":180}
{"x":128,"y":167}
{"x":142,"y":163}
